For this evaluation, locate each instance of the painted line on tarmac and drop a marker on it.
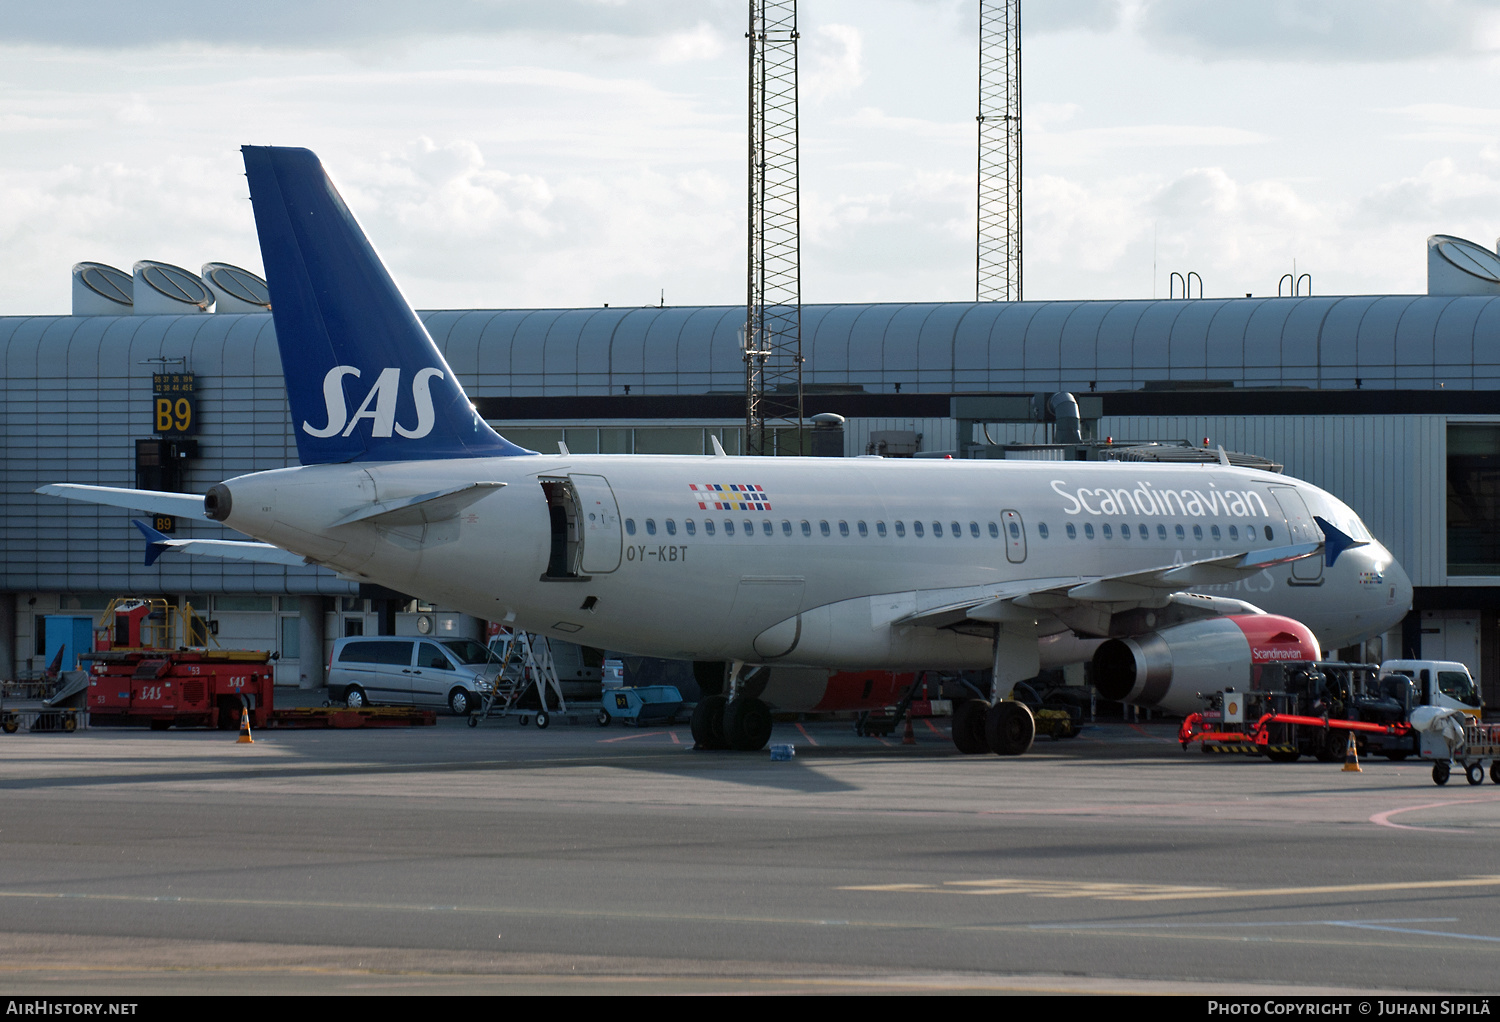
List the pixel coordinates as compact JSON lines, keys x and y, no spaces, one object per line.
{"x":1384,"y":819}
{"x":1158,"y":892}
{"x":809,"y":737}
{"x":1381,"y":925}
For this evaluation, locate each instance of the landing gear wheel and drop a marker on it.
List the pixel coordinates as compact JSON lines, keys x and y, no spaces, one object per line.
{"x":354,"y":698}
{"x":708,"y":723}
{"x":542,"y":720}
{"x":1440,"y":773}
{"x":1009,"y":728}
{"x":523,"y":720}
{"x":968,"y":727}
{"x":603,"y":718}
{"x":473,"y":720}
{"x":747,"y":724}
{"x":458,"y":701}
{"x":1474,"y":773}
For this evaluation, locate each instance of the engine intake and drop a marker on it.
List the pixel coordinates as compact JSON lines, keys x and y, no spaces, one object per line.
{"x":1168,"y":668}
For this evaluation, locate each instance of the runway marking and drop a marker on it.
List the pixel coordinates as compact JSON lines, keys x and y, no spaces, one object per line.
{"x":811,"y":740}
{"x":1158,"y":892}
{"x":640,"y":734}
{"x":1382,"y":925}
{"x":1384,"y":819}
{"x":931,"y":727}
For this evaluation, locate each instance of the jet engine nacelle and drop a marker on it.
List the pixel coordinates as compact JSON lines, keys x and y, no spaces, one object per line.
{"x":1168,"y":668}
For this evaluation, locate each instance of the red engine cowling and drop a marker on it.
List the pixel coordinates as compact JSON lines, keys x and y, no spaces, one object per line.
{"x":1169,"y":668}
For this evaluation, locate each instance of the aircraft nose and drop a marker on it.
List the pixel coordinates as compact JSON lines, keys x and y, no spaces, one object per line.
{"x":1394,"y":589}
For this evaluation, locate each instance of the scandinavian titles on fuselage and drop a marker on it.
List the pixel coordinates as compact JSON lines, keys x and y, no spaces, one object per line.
{"x":1146,"y":499}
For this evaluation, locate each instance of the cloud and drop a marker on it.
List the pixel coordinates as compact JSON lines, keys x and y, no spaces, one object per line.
{"x":832,"y":61}
{"x":340,"y":24}
{"x":1318,"y":30}
{"x":1061,"y":15}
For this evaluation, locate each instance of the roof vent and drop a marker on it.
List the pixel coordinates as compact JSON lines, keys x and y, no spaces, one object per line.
{"x":162,"y":289}
{"x":236,"y":289}
{"x":101,"y":290}
{"x":1459,"y":267}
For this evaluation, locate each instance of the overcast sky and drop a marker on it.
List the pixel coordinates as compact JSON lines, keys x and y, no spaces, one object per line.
{"x":517,"y":153}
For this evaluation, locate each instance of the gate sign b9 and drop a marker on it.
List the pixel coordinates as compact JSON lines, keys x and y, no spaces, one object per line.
{"x":174,"y":404}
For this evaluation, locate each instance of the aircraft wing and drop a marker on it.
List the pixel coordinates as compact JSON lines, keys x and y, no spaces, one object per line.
{"x":188,"y":505}
{"x":1103,"y":606}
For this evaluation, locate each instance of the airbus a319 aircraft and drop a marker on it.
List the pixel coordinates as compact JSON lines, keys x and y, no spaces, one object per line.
{"x":1173,"y":579}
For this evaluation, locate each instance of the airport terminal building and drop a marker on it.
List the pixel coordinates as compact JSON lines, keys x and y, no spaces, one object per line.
{"x":1390,"y":402}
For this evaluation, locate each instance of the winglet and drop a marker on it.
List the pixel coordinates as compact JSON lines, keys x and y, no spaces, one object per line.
{"x":156,"y":542}
{"x":1334,"y":541}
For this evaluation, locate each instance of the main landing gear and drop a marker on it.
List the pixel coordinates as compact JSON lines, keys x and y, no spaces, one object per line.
{"x":1005,"y":728}
{"x":1002,"y":726}
{"x":742,"y":723}
{"x":738,"y":721}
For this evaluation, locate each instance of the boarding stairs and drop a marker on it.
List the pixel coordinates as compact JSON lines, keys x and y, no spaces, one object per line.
{"x":525,"y":664}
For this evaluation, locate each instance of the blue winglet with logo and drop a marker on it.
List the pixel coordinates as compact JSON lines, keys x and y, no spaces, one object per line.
{"x":156,"y":544}
{"x":1334,"y":541}
{"x":364,"y":380}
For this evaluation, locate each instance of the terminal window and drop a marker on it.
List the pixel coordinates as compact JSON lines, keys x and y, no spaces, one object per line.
{"x":1474,"y":499}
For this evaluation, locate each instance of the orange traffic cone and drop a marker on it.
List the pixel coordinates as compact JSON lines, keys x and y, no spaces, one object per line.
{"x":245,"y":738}
{"x":1351,"y":757}
{"x":908,"y":737}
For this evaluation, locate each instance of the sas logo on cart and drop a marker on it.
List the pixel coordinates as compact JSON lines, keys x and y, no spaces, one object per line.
{"x":730,"y":497}
{"x":379,"y":404}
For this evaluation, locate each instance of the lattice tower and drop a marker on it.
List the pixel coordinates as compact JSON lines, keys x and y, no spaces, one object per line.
{"x":998,"y":273}
{"x":773,"y":304}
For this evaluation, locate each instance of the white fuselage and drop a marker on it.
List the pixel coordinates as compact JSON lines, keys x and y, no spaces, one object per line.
{"x":810,"y":561}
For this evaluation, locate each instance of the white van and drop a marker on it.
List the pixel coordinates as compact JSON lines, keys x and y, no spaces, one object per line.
{"x":395,"y":670}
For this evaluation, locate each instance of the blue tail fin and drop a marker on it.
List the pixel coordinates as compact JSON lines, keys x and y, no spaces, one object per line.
{"x":363,"y":378}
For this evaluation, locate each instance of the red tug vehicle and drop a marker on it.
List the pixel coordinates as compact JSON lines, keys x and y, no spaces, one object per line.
{"x":139,"y":675}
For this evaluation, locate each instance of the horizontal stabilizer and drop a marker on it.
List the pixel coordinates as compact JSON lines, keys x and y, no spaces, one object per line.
{"x":230,"y":549}
{"x":188,"y":505}
{"x":421,"y":509}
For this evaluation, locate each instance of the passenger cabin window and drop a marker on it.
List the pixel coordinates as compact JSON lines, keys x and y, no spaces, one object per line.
{"x":786,"y":527}
{"x":1216,"y":535}
{"x":995,"y":530}
{"x":974,"y":529}
{"x":880,"y":529}
{"x":1072,"y":531}
{"x":708,"y":526}
{"x":844,"y":529}
{"x":864,"y":530}
{"x":728,"y":527}
{"x":1268,"y":534}
{"x":1197,"y":532}
{"x":900,"y":529}
{"x":749,"y":527}
{"x":1234,"y":532}
{"x":671,"y":524}
{"x":957,"y":532}
{"x":1181,"y":533}
{"x":650,"y":526}
{"x":916,"y":529}
{"x":937,"y":530}
{"x":692,"y":530}
{"x":806,"y":527}
{"x":1161,"y":532}
{"x":1124,"y":530}
{"x":630,"y":526}
{"x":1088,"y":530}
{"x":1041,"y":529}
{"x":823,"y":527}
{"x":765,"y":526}
{"x":1108,"y":532}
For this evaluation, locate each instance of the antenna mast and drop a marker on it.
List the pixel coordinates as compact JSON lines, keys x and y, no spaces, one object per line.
{"x":998,"y":263}
{"x":773,"y":303}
